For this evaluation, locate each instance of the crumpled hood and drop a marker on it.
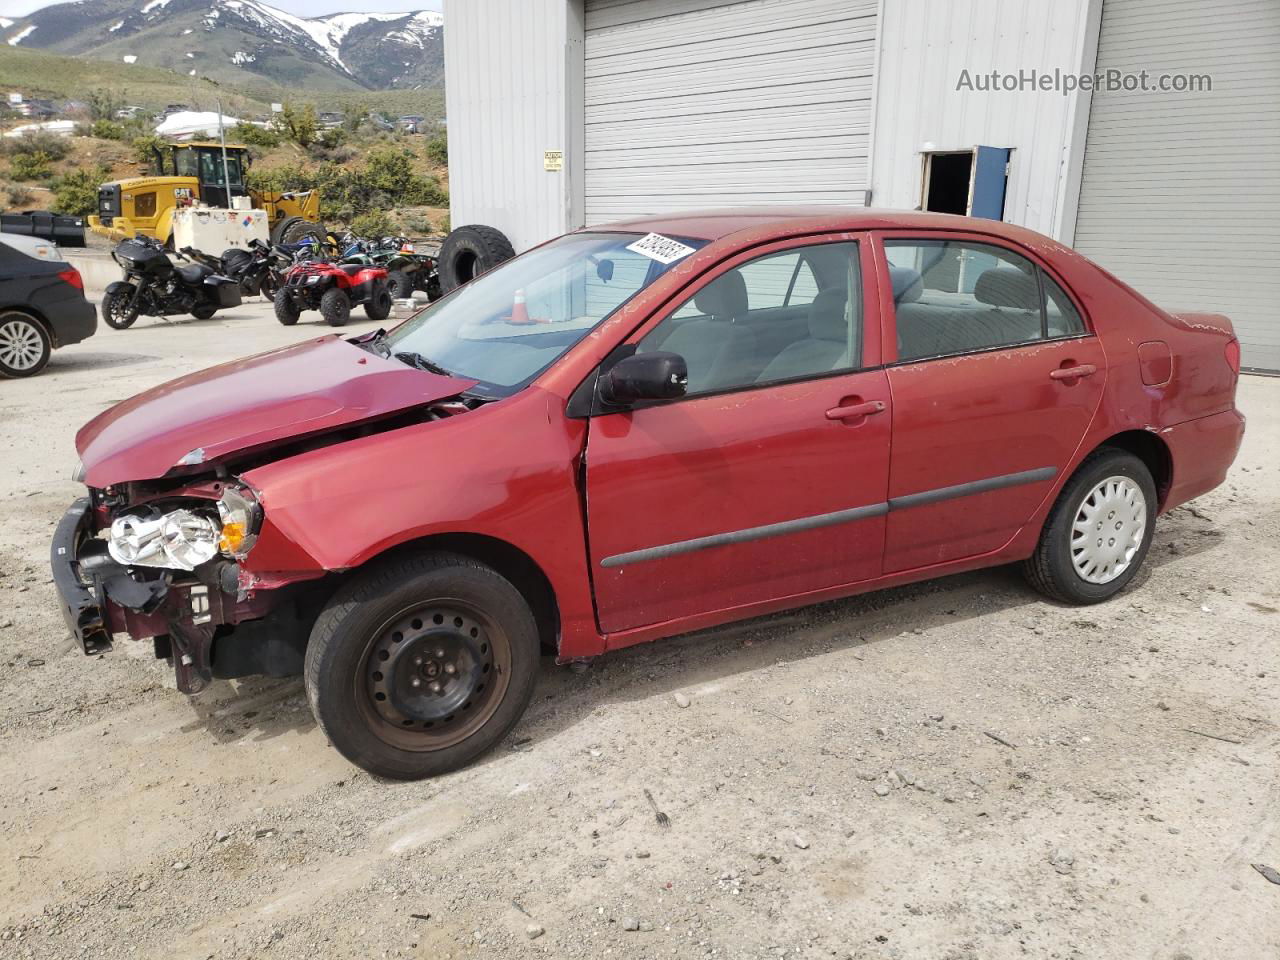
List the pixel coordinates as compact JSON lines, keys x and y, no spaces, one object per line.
{"x":308,"y":388}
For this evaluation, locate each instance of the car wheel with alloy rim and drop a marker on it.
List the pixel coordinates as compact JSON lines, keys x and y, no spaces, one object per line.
{"x":24,"y":345}
{"x":1099,"y":530}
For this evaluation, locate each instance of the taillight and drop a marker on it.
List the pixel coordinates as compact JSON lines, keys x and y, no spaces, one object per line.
{"x":72,"y":276}
{"x":1233,"y":355}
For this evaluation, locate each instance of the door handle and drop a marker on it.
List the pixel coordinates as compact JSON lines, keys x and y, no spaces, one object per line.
{"x":856,"y":410}
{"x":1071,"y":373}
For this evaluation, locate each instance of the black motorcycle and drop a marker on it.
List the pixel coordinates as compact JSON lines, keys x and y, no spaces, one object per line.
{"x":258,"y":268}
{"x":154,"y":286}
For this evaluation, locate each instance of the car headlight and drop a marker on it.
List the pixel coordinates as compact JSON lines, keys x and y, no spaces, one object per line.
{"x":183,"y":539}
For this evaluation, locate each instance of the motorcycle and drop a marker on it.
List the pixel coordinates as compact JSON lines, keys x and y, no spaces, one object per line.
{"x":258,"y":269}
{"x":153,"y":285}
{"x":407,"y":270}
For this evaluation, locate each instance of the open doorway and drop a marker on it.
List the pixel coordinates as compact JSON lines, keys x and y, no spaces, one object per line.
{"x":966,"y":182}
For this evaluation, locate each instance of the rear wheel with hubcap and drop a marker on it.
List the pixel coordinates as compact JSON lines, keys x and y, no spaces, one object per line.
{"x":24,"y":345}
{"x":1098,"y":532}
{"x":420,"y":665}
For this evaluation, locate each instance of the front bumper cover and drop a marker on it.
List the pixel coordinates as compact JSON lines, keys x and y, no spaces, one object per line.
{"x":80,"y":608}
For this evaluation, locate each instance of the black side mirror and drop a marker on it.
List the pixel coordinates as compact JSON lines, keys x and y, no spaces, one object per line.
{"x":645,"y":376}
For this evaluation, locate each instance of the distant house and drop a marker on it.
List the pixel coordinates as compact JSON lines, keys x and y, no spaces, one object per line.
{"x":36,"y":109}
{"x":328,"y":120}
{"x":412,"y":123}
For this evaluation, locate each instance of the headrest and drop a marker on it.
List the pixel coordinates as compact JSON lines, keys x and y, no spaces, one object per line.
{"x":724,"y":298}
{"x":826,"y":316}
{"x":907,"y":285}
{"x":1008,"y":287}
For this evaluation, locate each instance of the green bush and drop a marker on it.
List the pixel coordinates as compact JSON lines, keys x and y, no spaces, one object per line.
{"x":298,"y":125}
{"x":438,"y":149}
{"x":103,"y":105}
{"x":253,"y":135}
{"x":143,"y":153}
{"x":31,"y":166}
{"x":52,"y":146}
{"x":76,"y":193}
{"x":107,"y":130}
{"x":375,"y":223}
{"x":17,"y":195}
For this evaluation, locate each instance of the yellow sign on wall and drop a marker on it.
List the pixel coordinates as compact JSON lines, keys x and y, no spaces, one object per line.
{"x":553,"y":160}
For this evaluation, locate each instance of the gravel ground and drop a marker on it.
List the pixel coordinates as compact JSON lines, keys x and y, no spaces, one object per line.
{"x":951,"y":770}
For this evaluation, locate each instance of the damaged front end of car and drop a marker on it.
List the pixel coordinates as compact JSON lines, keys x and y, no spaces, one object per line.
{"x":167,"y":564}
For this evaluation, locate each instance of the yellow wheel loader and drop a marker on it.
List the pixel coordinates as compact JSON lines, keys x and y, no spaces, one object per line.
{"x":145,"y":205}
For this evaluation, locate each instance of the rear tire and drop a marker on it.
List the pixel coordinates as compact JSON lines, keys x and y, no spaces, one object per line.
{"x":1097,"y":535}
{"x":378,"y":686}
{"x":401,"y":284}
{"x":287,"y":311}
{"x":378,"y":307}
{"x":116,"y":310}
{"x":335,"y":307}
{"x":24,"y":345}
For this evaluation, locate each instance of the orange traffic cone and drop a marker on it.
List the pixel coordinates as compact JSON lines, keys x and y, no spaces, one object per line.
{"x":519,"y":313}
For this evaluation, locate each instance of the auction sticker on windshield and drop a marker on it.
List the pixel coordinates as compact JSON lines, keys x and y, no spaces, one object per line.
{"x":657,"y":247}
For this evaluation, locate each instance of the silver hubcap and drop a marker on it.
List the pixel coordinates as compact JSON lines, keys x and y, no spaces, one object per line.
{"x":21,"y":345}
{"x":1108,"y":530}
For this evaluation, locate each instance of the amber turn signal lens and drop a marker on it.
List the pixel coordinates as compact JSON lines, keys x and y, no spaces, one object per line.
{"x":233,"y":535}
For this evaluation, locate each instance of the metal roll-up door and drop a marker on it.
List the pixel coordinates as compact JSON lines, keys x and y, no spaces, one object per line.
{"x":693,"y":104}
{"x":1180,"y":192}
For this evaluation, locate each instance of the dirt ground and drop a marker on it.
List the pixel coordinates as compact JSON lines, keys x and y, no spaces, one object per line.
{"x":952,"y":770}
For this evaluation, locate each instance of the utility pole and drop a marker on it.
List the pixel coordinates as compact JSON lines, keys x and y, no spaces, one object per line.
{"x":222,"y":136}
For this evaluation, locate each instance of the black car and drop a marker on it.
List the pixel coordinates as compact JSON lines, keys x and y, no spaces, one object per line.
{"x":42,"y":307}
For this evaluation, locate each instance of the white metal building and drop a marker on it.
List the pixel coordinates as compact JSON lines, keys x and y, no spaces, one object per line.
{"x":571,"y":112}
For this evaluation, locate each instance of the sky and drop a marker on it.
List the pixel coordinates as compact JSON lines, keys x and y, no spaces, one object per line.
{"x":302,"y":8}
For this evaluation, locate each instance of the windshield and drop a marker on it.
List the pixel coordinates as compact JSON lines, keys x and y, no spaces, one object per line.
{"x":508,"y":325}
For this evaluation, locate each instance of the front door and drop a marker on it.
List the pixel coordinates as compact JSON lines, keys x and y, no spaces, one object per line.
{"x":996,"y":381}
{"x":768,"y":480}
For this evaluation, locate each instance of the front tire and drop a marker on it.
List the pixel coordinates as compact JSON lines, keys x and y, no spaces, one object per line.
{"x":401,"y":284}
{"x":378,"y":307}
{"x":335,"y":307}
{"x":287,"y":311}
{"x":117,"y":310}
{"x":24,"y":345}
{"x":1099,"y":531}
{"x":419,"y":665}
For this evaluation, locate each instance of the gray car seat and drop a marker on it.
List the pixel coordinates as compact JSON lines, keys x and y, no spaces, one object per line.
{"x":825,"y":349}
{"x":717,"y":347}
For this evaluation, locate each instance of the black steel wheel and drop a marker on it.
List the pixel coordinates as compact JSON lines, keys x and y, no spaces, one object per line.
{"x":421,"y":664}
{"x":335,"y":307}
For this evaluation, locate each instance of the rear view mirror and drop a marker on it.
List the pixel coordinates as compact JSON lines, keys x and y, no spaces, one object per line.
{"x":645,"y":376}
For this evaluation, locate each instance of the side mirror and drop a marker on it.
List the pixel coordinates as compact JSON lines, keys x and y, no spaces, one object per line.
{"x":645,"y":376}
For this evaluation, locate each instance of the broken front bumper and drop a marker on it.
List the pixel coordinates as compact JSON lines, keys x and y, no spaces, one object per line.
{"x":80,"y":608}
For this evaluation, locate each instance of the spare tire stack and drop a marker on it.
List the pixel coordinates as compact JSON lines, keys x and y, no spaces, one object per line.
{"x":468,"y":252}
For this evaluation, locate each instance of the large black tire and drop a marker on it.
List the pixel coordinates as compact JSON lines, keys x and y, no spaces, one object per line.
{"x":287,"y":311}
{"x":269,"y":285}
{"x":335,"y":307}
{"x":24,"y":344}
{"x":204,"y":312}
{"x":295,"y":230}
{"x":115,"y":309}
{"x":1109,"y":502}
{"x":468,"y":252}
{"x":378,"y":307}
{"x":401,"y":284}
{"x":392,"y":618}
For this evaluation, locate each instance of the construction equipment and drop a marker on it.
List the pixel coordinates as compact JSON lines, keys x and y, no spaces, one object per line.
{"x":198,"y":172}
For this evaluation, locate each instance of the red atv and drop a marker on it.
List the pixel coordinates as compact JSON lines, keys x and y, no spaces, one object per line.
{"x":333,"y":289}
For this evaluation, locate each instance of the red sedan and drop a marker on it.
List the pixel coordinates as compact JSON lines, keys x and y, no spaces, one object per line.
{"x":631,"y":432}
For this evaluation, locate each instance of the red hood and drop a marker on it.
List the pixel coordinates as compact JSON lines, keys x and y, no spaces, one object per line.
{"x":307,"y":388}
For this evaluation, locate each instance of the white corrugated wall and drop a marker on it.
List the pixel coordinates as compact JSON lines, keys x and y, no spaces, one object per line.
{"x":924,"y":46}
{"x":1180,"y":194}
{"x":702,"y":103}
{"x":513,"y":90}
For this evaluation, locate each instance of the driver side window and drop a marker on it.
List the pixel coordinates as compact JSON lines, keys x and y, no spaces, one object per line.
{"x":783,"y":316}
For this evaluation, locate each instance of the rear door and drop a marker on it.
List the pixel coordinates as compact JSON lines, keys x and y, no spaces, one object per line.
{"x":995,"y":382}
{"x":768,"y":480}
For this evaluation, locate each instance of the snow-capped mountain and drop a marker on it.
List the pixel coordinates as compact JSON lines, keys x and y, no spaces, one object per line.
{"x":236,"y":39}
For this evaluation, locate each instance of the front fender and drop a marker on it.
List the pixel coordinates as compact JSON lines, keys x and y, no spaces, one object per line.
{"x":120,"y":286}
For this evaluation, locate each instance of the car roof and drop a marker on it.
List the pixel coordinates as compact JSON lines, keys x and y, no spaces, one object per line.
{"x":717,"y":223}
